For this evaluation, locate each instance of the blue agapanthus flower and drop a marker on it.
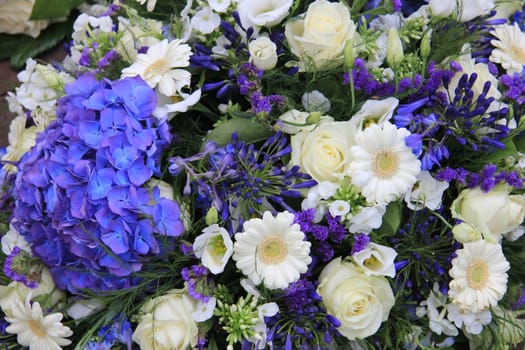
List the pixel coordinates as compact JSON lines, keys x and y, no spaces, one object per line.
{"x":82,"y":199}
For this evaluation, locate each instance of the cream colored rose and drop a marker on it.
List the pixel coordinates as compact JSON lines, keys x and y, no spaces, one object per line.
{"x":14,"y":18}
{"x":166,"y":323}
{"x":263,"y":53}
{"x":360,"y":302}
{"x":324,"y":152}
{"x":318,"y":38}
{"x":493,"y":213}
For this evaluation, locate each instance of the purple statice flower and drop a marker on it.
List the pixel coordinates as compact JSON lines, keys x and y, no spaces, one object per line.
{"x":197,"y":282}
{"x":486,"y":179}
{"x":514,"y":87}
{"x":82,"y":200}
{"x":360,"y":242}
{"x":22,"y":267}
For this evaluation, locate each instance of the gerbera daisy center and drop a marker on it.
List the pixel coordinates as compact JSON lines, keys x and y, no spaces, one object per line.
{"x":159,"y":67}
{"x":37,"y":328}
{"x":518,"y":53}
{"x":273,"y":250}
{"x":384,"y":164}
{"x":477,"y":274}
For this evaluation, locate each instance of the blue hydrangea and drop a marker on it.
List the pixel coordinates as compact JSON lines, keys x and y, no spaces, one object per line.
{"x":81,"y":195}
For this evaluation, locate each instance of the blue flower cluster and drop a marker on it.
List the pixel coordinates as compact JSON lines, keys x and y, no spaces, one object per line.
{"x":82,"y":196}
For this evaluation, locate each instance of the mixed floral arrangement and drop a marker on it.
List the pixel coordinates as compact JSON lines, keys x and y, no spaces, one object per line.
{"x":276,"y":174}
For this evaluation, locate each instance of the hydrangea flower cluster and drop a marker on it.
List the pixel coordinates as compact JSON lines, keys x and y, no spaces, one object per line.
{"x":82,"y":199}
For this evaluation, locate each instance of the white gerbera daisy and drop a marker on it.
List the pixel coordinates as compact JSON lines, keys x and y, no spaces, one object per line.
{"x":159,"y":66}
{"x":272,"y":250}
{"x":479,"y":276}
{"x":509,"y":48}
{"x":35,"y":330}
{"x":383,"y":167}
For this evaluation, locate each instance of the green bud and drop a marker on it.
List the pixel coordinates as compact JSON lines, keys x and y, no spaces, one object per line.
{"x":394,"y":49}
{"x":349,"y":54}
{"x":212,"y":216}
{"x":51,"y":77}
{"x":425,"y":45}
{"x":313,"y":118}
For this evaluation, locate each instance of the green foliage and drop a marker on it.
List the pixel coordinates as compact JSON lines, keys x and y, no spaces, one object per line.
{"x":51,"y":9}
{"x":391,"y":219}
{"x":247,"y":130}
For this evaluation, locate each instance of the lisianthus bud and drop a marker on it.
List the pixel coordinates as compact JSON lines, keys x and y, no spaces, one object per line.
{"x":394,"y":49}
{"x":349,"y":54}
{"x":425,"y":44}
{"x":212,"y":216}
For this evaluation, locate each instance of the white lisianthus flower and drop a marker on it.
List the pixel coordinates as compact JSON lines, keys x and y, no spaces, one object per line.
{"x":219,"y":49}
{"x":204,"y":310}
{"x":12,"y":239}
{"x":263,"y":53}
{"x":324,"y":152}
{"x":17,"y":291}
{"x":267,"y":13}
{"x":427,"y":192}
{"x":35,"y":330}
{"x":376,"y":260}
{"x":472,"y":322}
{"x":260,"y":328}
{"x":319,"y":36}
{"x":205,"y":21}
{"x":294,"y":121}
{"x":166,"y":322}
{"x":219,"y":5}
{"x":160,"y":67}
{"x":368,"y":219}
{"x":509,"y":48}
{"x":433,"y":307}
{"x":169,"y":106}
{"x":465,"y":10}
{"x":317,"y":198}
{"x":383,"y":167}
{"x":214,"y":247}
{"x":272,"y":250}
{"x":479,"y":276}
{"x":375,"y":111}
{"x":14,"y":18}
{"x":315,"y":101}
{"x":492,"y":213}
{"x":360,"y":302}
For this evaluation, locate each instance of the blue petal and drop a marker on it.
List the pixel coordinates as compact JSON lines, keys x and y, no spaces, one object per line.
{"x":139,"y":173}
{"x":89,"y":131}
{"x":100,"y":183}
{"x":166,"y":216}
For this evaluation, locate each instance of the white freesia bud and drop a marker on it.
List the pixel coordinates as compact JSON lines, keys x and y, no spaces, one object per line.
{"x":85,"y":308}
{"x":394,"y":49}
{"x":295,"y":121}
{"x":263,"y":53}
{"x":215,"y":247}
{"x":465,"y":233}
{"x":376,"y":260}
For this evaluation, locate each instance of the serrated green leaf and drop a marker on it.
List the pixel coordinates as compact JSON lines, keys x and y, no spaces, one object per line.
{"x":49,"y":9}
{"x":48,"y":39}
{"x":391,"y":219}
{"x":247,"y":130}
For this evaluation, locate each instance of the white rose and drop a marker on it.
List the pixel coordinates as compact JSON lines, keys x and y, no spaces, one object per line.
{"x":324,"y":152}
{"x":267,"y":13}
{"x":263,"y":53}
{"x":360,"y":302}
{"x":427,"y":192}
{"x":214,"y":247}
{"x":376,"y":260}
{"x":14,"y":18}
{"x":319,"y":37}
{"x":166,"y":322}
{"x":493,"y":213}
{"x":375,"y":111}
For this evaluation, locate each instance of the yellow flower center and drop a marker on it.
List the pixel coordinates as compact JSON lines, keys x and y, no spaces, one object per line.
{"x":272,"y":250}
{"x":372,"y":263}
{"x":384,"y":164}
{"x":218,"y":246}
{"x":37,"y":328}
{"x":518,"y":53}
{"x":477,"y":274}
{"x":159,"y":67}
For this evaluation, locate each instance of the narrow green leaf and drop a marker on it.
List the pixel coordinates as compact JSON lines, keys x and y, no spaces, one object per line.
{"x":9,"y":44}
{"x":48,"y":39}
{"x":49,"y":9}
{"x":247,"y":130}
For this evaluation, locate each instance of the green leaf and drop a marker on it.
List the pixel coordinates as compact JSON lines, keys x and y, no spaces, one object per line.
{"x":48,"y":39}
{"x":509,"y":150}
{"x":9,"y":44}
{"x":246,"y":129}
{"x":391,"y":219}
{"x":519,"y":142}
{"x":48,"y":9}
